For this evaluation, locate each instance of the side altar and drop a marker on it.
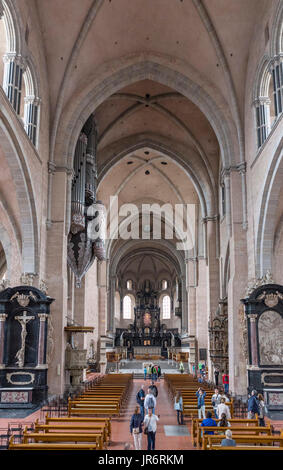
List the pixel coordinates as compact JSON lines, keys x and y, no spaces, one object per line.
{"x":24,"y":319}
{"x":147,"y":336}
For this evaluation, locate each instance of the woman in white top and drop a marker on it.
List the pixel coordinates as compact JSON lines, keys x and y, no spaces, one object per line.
{"x":150,"y":426}
{"x":223,"y":408}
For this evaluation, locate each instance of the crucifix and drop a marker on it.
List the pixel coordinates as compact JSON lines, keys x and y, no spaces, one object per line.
{"x":23,"y":320}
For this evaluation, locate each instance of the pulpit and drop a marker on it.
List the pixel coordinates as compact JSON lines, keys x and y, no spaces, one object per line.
{"x":24,"y":313}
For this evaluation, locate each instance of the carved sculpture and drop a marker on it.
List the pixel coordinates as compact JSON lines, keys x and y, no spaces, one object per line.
{"x":218,"y":337}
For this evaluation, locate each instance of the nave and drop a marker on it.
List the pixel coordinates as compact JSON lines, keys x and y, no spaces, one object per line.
{"x":99,"y":418}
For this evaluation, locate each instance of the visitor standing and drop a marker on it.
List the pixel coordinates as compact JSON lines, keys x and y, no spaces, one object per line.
{"x":225,"y":381}
{"x":201,"y":403}
{"x":145,"y":371}
{"x":215,"y":400}
{"x":159,"y":372}
{"x":150,"y":427}
{"x":262,"y":410}
{"x":223,"y":408}
{"x":149,"y":401}
{"x":253,"y":408}
{"x":216,"y":377}
{"x":181,"y":367}
{"x":136,"y":428}
{"x":140,"y":397}
{"x":178,"y":406}
{"x":154,"y":389}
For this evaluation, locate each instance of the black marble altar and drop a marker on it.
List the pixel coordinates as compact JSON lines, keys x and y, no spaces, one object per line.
{"x":147,"y":329}
{"x":24,"y":312}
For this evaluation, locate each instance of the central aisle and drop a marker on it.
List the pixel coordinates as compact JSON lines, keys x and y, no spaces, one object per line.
{"x":121,"y":426}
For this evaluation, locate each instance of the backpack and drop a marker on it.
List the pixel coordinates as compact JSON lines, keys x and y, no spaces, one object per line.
{"x":138,"y":398}
{"x":150,"y":402}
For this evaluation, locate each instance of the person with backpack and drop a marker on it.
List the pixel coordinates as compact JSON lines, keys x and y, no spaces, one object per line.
{"x":149,"y":401}
{"x":253,"y":407}
{"x":140,"y":397}
{"x":154,"y":389}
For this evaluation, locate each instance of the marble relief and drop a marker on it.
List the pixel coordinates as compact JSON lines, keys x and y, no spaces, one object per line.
{"x":270,"y":335}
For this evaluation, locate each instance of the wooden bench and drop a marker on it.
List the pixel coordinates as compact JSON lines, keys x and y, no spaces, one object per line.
{"x":212,"y":440}
{"x":51,"y":446}
{"x":64,"y":437}
{"x":234,"y":421}
{"x":236,"y":430}
{"x":73,"y":428}
{"x":76,"y":420}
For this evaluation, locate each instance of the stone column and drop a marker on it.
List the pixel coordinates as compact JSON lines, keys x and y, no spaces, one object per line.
{"x":41,"y":339}
{"x":31,"y":117}
{"x":2,"y":338}
{"x":56,"y":277}
{"x":14,"y":67}
{"x":253,"y":339}
{"x":236,"y":289}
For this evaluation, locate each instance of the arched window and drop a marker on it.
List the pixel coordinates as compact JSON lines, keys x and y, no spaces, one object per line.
{"x":129,"y":284}
{"x":166,"y":307}
{"x":164,"y":284}
{"x":127,"y":307}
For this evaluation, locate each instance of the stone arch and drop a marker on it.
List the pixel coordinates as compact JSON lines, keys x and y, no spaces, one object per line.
{"x":276,"y":42}
{"x":25,"y":196}
{"x":267,"y":215}
{"x":201,"y":181}
{"x":158,"y":68}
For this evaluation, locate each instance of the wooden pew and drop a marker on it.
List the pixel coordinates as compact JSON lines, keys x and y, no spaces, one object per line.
{"x":51,"y":446}
{"x":49,"y":437}
{"x":242,"y":430}
{"x":209,"y":440}
{"x":73,"y":428}
{"x":106,"y":421}
{"x":234,"y":421}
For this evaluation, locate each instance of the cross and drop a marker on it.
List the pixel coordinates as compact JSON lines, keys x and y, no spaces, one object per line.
{"x":23,"y":320}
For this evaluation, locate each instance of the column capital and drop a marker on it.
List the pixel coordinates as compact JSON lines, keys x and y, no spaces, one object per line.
{"x":212,"y":218}
{"x":31,"y":99}
{"x":252,"y":316}
{"x":42,"y":316}
{"x":15,"y":57}
{"x":261,"y":100}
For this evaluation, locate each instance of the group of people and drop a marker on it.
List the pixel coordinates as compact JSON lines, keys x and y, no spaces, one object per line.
{"x":218,"y":401}
{"x":223,"y":422}
{"x":256,"y":407}
{"x":144,"y":420}
{"x":153,"y":372}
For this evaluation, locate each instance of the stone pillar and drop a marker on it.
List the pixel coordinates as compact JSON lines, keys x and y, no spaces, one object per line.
{"x":31,"y":117}
{"x":236,"y":289}
{"x":41,"y":339}
{"x":2,"y":331}
{"x":56,"y":276}
{"x":14,"y":67}
{"x":253,"y":339}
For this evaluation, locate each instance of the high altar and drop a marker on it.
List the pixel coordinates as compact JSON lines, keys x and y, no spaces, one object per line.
{"x":147,"y":336}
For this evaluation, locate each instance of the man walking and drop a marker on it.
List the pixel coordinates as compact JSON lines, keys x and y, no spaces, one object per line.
{"x":149,"y":402}
{"x":140,"y":397}
{"x":253,"y":407}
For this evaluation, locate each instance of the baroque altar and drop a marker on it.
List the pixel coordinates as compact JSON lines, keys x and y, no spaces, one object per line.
{"x":147,"y":331}
{"x":24,"y":319}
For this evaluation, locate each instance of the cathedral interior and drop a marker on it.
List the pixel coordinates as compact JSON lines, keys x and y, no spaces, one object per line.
{"x":141,"y":192}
